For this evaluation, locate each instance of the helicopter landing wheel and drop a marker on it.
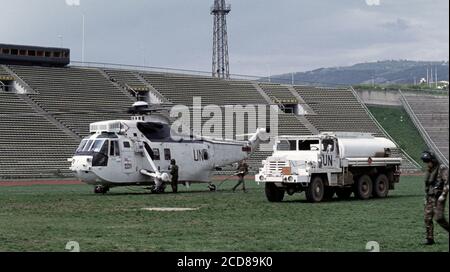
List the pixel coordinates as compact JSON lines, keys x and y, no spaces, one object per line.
{"x":212,"y":187}
{"x":158,"y":190}
{"x":101,"y":189}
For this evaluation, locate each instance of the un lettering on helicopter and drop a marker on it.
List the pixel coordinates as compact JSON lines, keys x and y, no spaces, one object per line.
{"x":139,"y":152}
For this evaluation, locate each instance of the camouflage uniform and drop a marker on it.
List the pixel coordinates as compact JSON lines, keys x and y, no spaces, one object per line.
{"x":242,"y":171}
{"x":174,"y":173}
{"x":436,"y":191}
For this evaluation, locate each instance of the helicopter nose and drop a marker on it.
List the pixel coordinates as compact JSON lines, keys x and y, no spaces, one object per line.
{"x":81,"y":163}
{"x":86,"y":176}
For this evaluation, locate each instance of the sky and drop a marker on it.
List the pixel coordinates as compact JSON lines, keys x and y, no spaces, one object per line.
{"x":266,"y":37}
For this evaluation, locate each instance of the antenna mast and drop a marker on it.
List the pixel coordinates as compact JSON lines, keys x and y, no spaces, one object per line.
{"x":220,"y":62}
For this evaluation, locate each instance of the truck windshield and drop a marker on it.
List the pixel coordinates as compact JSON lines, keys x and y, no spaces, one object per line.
{"x":287,"y":145}
{"x":328,"y":145}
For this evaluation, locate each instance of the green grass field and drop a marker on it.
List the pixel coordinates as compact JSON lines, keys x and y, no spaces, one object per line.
{"x":45,"y":218}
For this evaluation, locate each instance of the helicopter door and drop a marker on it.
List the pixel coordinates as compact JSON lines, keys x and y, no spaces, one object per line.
{"x":114,"y":155}
{"x":128,"y":164}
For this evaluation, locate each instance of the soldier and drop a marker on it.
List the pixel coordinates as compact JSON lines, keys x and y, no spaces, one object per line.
{"x":174,"y":174}
{"x":436,"y":190}
{"x":242,"y":171}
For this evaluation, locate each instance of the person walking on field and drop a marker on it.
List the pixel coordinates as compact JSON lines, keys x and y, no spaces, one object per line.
{"x":174,"y":174}
{"x":436,"y":191}
{"x":242,"y":171}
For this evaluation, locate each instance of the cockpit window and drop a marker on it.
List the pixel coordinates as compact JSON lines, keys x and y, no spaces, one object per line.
{"x":97,"y":145}
{"x":104,"y":149}
{"x":81,"y":146}
{"x":88,"y":145}
{"x":93,"y":146}
{"x":287,"y":145}
{"x":100,"y":152}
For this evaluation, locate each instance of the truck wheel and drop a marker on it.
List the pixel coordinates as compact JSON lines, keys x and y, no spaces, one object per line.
{"x":273,"y":193}
{"x":344,"y":193}
{"x":363,"y":187}
{"x":381,"y":186}
{"x":315,"y":190}
{"x":328,"y":193}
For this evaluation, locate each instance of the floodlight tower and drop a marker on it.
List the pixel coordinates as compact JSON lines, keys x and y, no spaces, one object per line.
{"x":220,"y":62}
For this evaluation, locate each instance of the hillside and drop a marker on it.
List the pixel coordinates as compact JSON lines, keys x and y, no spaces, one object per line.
{"x":381,"y":72}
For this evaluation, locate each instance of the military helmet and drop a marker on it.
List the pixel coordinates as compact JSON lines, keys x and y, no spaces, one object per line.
{"x":427,"y":157}
{"x":172,"y":161}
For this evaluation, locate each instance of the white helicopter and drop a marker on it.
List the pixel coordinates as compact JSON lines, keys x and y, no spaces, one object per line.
{"x":139,"y":152}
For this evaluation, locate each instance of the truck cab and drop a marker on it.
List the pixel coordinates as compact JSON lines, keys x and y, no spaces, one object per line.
{"x":330,"y":163}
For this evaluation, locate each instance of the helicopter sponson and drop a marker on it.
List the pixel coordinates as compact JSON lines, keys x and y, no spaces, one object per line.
{"x":139,"y":152}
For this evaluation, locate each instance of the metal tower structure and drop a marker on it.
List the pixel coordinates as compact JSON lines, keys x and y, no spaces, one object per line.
{"x":220,"y":62}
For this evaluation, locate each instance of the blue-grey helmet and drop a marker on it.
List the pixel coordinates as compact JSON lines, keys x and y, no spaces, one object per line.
{"x":427,"y":157}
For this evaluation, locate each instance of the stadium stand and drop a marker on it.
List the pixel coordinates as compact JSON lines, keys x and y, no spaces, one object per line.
{"x":5,"y":77}
{"x":126,"y":79}
{"x":336,"y":110}
{"x":180,"y":89}
{"x":430,"y":116}
{"x":288,"y":124}
{"x":135,"y":85}
{"x":278,"y":93}
{"x":30,"y":145}
{"x":4,"y":73}
{"x":75,"y":96}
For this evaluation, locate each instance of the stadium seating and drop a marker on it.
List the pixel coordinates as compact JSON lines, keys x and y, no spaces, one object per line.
{"x":337,"y":110}
{"x":75,"y":96}
{"x":432,"y":114}
{"x":278,"y":93}
{"x":3,"y":72}
{"x":179,"y":89}
{"x":4,"y":77}
{"x":288,"y":124}
{"x":30,"y":145}
{"x":126,"y":79}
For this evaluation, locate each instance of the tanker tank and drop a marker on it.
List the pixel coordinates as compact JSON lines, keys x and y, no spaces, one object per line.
{"x":364,"y":147}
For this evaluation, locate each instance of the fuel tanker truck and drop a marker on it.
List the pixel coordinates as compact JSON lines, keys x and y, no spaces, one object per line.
{"x":341,"y":163}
